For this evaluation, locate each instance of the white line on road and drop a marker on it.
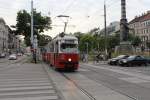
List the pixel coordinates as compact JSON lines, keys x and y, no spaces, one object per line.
{"x":25,"y":88}
{"x":33,"y":98}
{"x":133,"y":74}
{"x":28,"y":92}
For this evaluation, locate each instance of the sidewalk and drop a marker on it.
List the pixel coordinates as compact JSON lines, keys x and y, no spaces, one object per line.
{"x":26,"y":81}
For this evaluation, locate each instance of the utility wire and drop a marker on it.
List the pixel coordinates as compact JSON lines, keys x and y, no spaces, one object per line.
{"x":101,"y":11}
{"x":113,"y":3}
{"x":69,"y":6}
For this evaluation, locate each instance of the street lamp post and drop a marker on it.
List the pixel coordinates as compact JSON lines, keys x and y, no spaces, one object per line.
{"x":3,"y":41}
{"x":105,"y":24}
{"x":87,"y":52}
{"x":35,"y":42}
{"x":32,"y":38}
{"x":32,"y":22}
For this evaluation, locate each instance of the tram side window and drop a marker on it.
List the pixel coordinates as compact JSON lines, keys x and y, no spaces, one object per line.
{"x":52,"y":47}
{"x":43,"y":50}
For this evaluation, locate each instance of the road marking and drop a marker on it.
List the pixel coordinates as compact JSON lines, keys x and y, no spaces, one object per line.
{"x":24,"y":84}
{"x":28,"y":92}
{"x":133,"y":74}
{"x":33,"y":98}
{"x":26,"y":88}
{"x":134,"y":80}
{"x":85,"y":70}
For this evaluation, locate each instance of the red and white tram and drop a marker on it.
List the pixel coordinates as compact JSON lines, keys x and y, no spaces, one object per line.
{"x":62,"y":52}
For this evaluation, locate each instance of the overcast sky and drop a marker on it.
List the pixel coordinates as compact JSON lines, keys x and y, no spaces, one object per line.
{"x":85,"y":14}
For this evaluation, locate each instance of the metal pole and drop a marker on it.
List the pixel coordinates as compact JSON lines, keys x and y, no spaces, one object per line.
{"x":32,"y":44}
{"x":32,"y":22}
{"x":87,"y":48}
{"x":87,"y":52}
{"x":105,"y":28}
{"x":35,"y":48}
{"x":3,"y":41}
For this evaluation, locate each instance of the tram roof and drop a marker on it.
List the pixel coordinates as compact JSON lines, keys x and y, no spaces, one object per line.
{"x":66,"y":36}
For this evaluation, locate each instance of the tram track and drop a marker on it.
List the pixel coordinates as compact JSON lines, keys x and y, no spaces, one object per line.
{"x":86,"y":93}
{"x":103,"y":83}
{"x":79,"y":87}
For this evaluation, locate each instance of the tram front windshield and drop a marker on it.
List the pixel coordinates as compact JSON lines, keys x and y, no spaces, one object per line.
{"x":69,"y":48}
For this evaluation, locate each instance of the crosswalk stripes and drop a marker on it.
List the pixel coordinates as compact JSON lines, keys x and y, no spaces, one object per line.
{"x":27,"y":82}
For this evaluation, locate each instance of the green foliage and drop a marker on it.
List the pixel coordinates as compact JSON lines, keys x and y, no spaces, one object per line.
{"x":23,"y":26}
{"x":136,"y":41}
{"x":97,"y":42}
{"x":44,"y":39}
{"x":113,"y":41}
{"x":130,"y":37}
{"x":86,"y":39}
{"x":78,"y":35}
{"x":148,"y":44}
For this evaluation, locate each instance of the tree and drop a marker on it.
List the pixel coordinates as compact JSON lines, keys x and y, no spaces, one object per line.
{"x":148,"y":45}
{"x":136,"y":41}
{"x":44,"y":39}
{"x":78,"y":35}
{"x":94,"y":31}
{"x":23,"y":26}
{"x":113,"y":41}
{"x":87,"y":38}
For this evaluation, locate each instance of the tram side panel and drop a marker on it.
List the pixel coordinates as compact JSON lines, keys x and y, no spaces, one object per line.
{"x":48,"y":57}
{"x":52,"y":59}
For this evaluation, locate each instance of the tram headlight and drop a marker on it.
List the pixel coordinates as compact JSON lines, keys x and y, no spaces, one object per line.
{"x":69,"y":59}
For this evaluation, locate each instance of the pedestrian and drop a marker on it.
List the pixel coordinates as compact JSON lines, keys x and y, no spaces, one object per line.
{"x":97,"y":58}
{"x":34,"y":56}
{"x":109,"y":54}
{"x":86,"y":57}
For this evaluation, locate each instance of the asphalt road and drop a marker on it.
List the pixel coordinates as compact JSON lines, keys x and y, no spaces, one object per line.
{"x":26,"y":81}
{"x":103,"y":82}
{"x":132,"y":82}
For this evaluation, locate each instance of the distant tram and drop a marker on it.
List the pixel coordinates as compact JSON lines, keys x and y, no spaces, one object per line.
{"x":62,"y":52}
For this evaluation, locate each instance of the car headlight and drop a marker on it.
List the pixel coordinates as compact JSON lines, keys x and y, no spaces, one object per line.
{"x":124,"y":61}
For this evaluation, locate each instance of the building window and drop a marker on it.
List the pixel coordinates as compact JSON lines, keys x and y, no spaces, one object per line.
{"x":149,"y":23}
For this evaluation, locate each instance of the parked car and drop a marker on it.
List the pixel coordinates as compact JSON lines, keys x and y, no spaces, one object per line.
{"x":148,"y":60}
{"x":13,"y":57}
{"x":19,"y":54}
{"x":2,"y":55}
{"x":114,"y":61}
{"x":133,"y":60}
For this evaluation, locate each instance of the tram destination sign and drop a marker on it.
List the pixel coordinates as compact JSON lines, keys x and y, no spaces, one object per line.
{"x":70,"y":41}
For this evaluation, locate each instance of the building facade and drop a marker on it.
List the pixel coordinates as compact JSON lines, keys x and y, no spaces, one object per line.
{"x":4,"y":31}
{"x":111,"y":29}
{"x":11,"y":40}
{"x":140,"y":26}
